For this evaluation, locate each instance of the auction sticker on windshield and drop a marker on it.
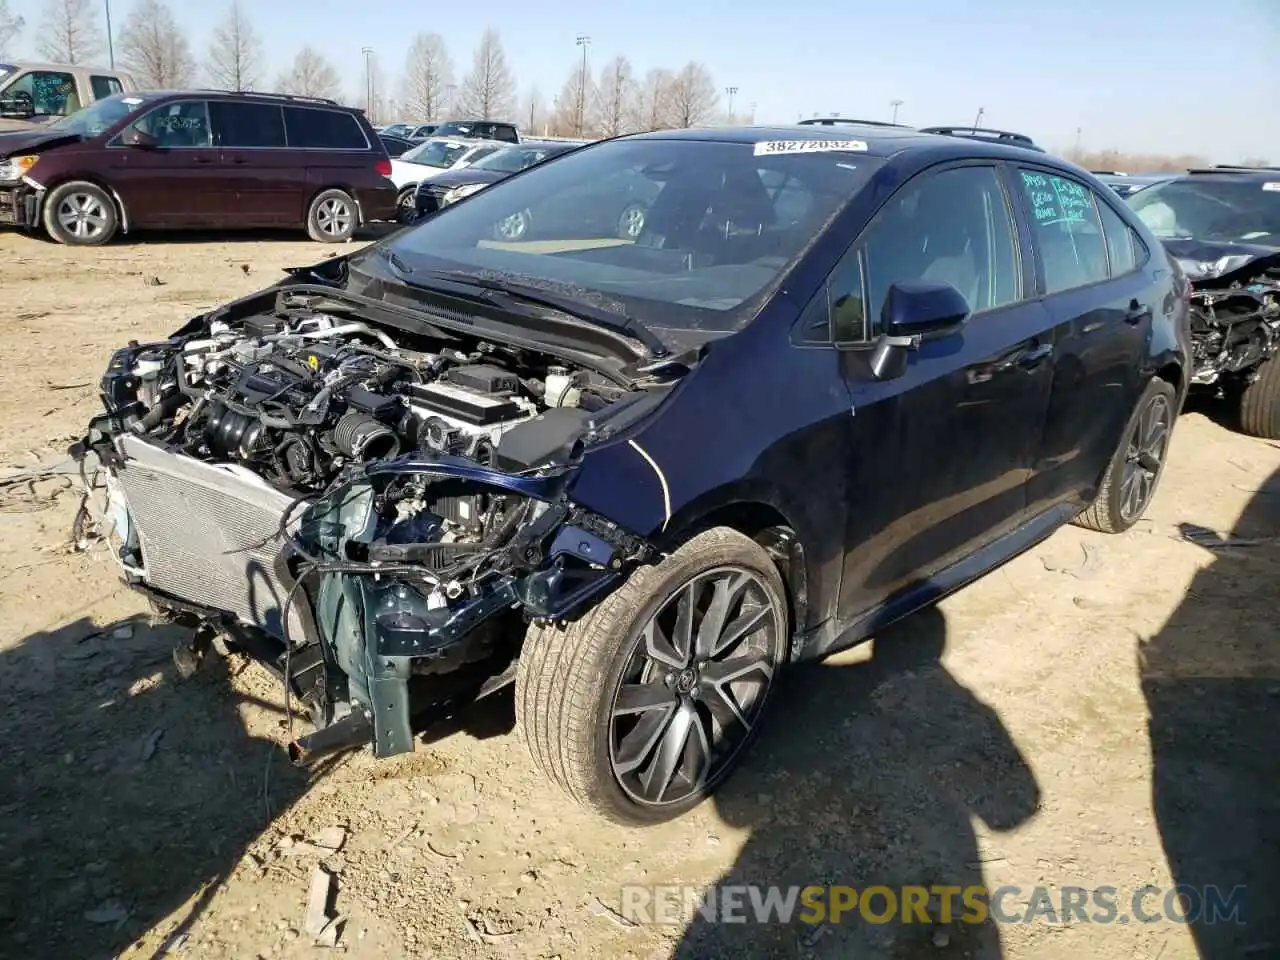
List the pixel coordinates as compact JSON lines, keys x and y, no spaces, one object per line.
{"x":1272,"y":187}
{"x":765,"y":147}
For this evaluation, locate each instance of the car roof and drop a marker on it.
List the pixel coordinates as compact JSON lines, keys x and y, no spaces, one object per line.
{"x":247,"y":95}
{"x":1224,"y":171}
{"x":881,"y":141}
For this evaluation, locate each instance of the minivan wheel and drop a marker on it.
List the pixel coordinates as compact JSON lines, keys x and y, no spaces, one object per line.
{"x":332,"y":217}
{"x":1135,"y":469}
{"x":644,"y":706}
{"x":80,"y":213}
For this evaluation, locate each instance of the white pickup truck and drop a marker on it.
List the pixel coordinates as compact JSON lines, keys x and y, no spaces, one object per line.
{"x":32,"y":94}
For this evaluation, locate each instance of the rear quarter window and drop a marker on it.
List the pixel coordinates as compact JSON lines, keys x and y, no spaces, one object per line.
{"x":317,"y":129}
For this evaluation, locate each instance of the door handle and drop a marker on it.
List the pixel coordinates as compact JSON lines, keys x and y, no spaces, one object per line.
{"x":239,"y":159}
{"x":1035,"y":356}
{"x":1137,"y":312}
{"x":200,"y":159}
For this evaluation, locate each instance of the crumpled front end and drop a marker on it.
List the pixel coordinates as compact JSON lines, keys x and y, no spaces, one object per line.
{"x":1234,"y":306}
{"x":414,"y":569}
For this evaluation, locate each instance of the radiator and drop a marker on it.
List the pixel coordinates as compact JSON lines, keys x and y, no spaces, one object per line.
{"x":200,"y":527}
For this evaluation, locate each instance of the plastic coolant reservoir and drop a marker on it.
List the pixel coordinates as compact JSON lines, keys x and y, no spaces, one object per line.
{"x":561,"y":391}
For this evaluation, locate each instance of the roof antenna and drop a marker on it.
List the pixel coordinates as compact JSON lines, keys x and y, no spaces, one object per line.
{"x":977,"y":122}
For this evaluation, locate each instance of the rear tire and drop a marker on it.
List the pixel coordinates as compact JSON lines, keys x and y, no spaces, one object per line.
{"x":332,"y":217}
{"x":1260,"y":402}
{"x":1130,"y":482}
{"x":602,"y":702}
{"x":80,"y":214}
{"x":406,"y":205}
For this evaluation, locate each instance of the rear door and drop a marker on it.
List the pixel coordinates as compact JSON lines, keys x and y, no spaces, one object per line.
{"x":1089,"y":267}
{"x":265,"y":180}
{"x":942,"y":454}
{"x":175,"y":183}
{"x":335,"y":150}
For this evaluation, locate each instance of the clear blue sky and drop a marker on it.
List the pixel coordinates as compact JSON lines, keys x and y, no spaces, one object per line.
{"x":1193,"y":76}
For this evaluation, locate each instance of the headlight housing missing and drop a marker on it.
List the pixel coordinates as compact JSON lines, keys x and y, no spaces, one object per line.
{"x":15,"y":168}
{"x":466,"y":190}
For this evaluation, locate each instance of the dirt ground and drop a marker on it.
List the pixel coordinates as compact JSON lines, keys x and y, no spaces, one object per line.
{"x":1100,"y":711}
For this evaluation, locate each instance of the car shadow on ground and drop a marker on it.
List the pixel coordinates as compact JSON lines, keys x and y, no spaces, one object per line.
{"x":372,"y":232}
{"x":128,"y":794}
{"x":869,"y":774}
{"x":1211,"y":677}
{"x":125,"y":792}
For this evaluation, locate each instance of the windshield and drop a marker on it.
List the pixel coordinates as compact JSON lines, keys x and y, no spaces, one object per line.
{"x":99,"y":115}
{"x":435,"y":153}
{"x":455,"y":128}
{"x":397,"y":129}
{"x":1224,"y":209}
{"x":682,"y":234}
{"x":515,"y":159}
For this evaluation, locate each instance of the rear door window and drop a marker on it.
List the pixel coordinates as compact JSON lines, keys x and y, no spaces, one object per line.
{"x":105,"y":86}
{"x":246,"y":124}
{"x":1064,"y":218}
{"x":316,"y":129}
{"x":183,"y":124}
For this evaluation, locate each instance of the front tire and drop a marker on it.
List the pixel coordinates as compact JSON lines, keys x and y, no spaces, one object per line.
{"x":1260,"y":402}
{"x":332,"y":217}
{"x":644,"y":706}
{"x":407,"y":205}
{"x":80,"y":214}
{"x":1130,"y":482}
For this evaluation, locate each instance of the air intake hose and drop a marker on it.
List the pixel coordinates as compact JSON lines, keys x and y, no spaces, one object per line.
{"x":361,"y":437}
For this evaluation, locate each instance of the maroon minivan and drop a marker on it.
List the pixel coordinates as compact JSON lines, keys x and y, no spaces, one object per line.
{"x":194,"y":159}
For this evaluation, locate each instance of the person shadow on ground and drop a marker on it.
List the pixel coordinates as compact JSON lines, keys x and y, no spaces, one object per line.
{"x":870,"y":774}
{"x":1211,"y":678}
{"x":126,"y":794}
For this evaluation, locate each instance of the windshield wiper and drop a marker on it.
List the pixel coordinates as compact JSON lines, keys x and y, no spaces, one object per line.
{"x":536,"y":295}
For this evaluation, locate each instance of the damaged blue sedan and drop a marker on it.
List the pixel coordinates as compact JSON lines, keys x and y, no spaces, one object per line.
{"x":828,"y":380}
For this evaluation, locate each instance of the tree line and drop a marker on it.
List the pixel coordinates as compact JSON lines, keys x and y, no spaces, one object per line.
{"x":152,"y":47}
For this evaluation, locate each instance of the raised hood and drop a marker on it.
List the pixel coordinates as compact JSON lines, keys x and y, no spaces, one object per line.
{"x":1221,"y":263}
{"x":16,"y":142}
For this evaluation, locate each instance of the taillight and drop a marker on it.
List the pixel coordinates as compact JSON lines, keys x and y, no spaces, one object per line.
{"x":383,"y":167}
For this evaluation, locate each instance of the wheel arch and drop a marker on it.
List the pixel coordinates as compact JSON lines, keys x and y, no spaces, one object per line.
{"x":122,"y":212}
{"x":763,"y":521}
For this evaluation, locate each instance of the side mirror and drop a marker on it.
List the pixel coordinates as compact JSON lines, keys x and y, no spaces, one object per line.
{"x":19,"y":106}
{"x":133,"y":137}
{"x":914,"y":312}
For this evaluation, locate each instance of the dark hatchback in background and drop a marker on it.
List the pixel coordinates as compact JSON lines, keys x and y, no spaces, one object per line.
{"x":197,"y":158}
{"x":835,"y":375}
{"x":453,"y":185}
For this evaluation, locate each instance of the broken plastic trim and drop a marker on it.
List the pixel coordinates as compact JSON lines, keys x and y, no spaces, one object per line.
{"x":381,"y":626}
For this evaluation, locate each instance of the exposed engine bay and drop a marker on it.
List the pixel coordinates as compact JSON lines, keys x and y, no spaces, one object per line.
{"x":364,"y":506}
{"x":1235,"y":308}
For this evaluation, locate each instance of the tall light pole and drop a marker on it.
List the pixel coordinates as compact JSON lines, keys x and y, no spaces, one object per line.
{"x":584,"y":42}
{"x":753,"y":112}
{"x":895,"y":104}
{"x":111,"y":47}
{"x":368,"y":81}
{"x":731,"y":91}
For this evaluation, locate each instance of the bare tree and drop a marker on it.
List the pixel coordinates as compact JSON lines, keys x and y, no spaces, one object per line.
{"x":235,"y":52}
{"x":70,"y":32}
{"x":153,"y":49}
{"x":488,"y":91}
{"x":1255,"y":162}
{"x":428,"y":75}
{"x":575,"y":106}
{"x":693,"y":96}
{"x":311,"y":75}
{"x":10,"y":27}
{"x":615,"y":98}
{"x":653,"y":101}
{"x":534,"y":112}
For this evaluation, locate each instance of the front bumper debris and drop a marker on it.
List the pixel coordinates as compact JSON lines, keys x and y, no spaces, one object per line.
{"x":354,"y":623}
{"x":18,"y":206}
